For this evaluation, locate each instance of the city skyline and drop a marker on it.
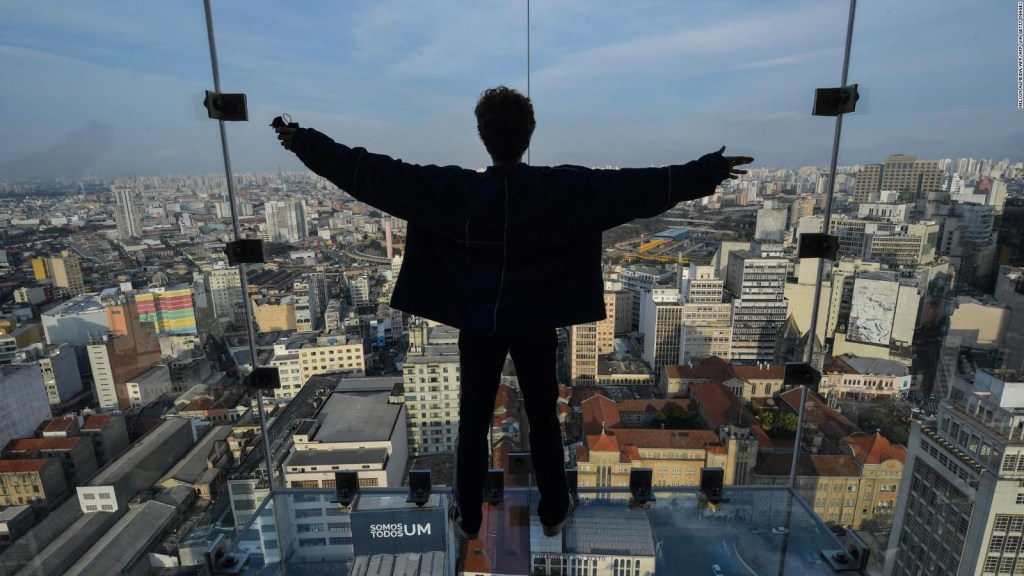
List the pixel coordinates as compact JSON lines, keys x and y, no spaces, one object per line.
{"x":607,"y":82}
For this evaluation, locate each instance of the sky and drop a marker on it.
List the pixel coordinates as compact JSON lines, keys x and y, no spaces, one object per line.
{"x":97,"y":88}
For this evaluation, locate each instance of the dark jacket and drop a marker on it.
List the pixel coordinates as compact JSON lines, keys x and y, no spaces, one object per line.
{"x":510,"y":250}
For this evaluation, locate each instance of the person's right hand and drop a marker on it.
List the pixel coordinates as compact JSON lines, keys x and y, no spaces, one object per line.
{"x":285,"y":136}
{"x":735,"y":161}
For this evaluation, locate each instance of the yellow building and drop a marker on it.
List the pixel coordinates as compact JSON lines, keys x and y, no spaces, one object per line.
{"x":274,"y":313}
{"x":66,"y":272}
{"x":40,"y":268}
{"x":621,"y":436}
{"x":37,"y":482}
{"x":857,"y":489}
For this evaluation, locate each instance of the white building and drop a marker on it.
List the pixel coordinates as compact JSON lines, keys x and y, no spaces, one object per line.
{"x":61,"y":376}
{"x":76,"y":321}
{"x":661,"y":325}
{"x":286,"y":220}
{"x":432,"y":382}
{"x":302,"y":356}
{"x":149,"y":386}
{"x":760,"y":307}
{"x":359,"y":428}
{"x":961,"y":507}
{"x":126,"y":213}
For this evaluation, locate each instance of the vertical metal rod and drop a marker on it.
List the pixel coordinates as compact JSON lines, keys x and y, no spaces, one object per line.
{"x":528,"y":63}
{"x":246,"y":304}
{"x":826,"y":221}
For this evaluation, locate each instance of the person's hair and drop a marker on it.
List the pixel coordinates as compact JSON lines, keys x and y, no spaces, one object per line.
{"x":504,"y":119}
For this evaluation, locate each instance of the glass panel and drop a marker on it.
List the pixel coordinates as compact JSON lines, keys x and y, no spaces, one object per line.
{"x":764,"y":530}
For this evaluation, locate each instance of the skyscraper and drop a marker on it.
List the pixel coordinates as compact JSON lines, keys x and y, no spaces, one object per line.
{"x":126,"y":213}
{"x":286,"y":220}
{"x":432,"y":382}
{"x":961,"y":506}
{"x":67,"y":273}
{"x":760,"y":307}
{"x":661,"y":324}
{"x":901,"y":173}
{"x":588,"y":341}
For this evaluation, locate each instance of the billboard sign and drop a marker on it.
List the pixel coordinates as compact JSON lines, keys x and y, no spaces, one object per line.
{"x":872,"y":311}
{"x":399,"y":530}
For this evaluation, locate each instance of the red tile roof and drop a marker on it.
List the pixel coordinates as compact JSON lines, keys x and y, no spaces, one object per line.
{"x":600,"y":413}
{"x":36,"y":444}
{"x":809,"y":465}
{"x":22,"y":465}
{"x":875,"y":449}
{"x":59,"y":425}
{"x":715,"y":369}
{"x":95,"y":422}
{"x":201,"y":403}
{"x":602,"y":443}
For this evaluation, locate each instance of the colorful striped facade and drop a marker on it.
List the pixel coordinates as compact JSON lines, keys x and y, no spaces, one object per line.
{"x":170,"y":308}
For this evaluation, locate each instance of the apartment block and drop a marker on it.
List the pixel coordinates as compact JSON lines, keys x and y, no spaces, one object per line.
{"x":37,"y":482}
{"x":432,"y":378}
{"x":961,"y":508}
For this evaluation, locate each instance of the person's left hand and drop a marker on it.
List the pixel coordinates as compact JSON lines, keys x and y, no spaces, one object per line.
{"x":286,"y":134}
{"x":735,"y":161}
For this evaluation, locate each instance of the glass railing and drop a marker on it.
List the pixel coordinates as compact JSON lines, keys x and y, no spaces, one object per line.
{"x":115,"y":212}
{"x":676,"y":532}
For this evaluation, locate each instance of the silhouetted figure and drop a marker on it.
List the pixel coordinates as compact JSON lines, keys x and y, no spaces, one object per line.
{"x":507,"y":256}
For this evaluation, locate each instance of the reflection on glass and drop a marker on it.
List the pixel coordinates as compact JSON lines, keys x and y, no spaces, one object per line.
{"x":128,"y":440}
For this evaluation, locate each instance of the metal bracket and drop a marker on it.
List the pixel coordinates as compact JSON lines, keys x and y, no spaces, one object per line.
{"x":263,"y":378}
{"x":711,"y":481}
{"x":245,"y":252}
{"x":494,"y":486}
{"x":641,"y":486}
{"x":818,"y":246}
{"x":419,"y":487}
{"x":835,"y":101}
{"x":227,"y":107}
{"x":346,"y":488}
{"x":801,"y":374}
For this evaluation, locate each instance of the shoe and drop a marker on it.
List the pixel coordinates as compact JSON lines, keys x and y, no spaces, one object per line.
{"x":456,"y":518}
{"x":551,"y":531}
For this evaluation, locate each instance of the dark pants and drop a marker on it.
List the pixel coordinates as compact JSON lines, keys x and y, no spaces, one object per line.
{"x":482,"y":357}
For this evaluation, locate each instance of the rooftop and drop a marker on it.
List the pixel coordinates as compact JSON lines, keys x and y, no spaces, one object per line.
{"x":36,"y":444}
{"x":809,"y":465}
{"x":351,"y":415}
{"x":20,"y":465}
{"x":95,"y":422}
{"x":874,"y":448}
{"x":348,"y":457}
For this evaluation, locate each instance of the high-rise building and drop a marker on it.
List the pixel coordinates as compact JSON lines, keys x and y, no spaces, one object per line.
{"x":286,"y":220}
{"x":126,"y":213}
{"x":168,"y":308}
{"x":588,"y":341}
{"x":129,"y":350}
{"x":302,"y":356}
{"x":961,"y":506}
{"x":661,"y":325}
{"x":310,"y":301}
{"x":760,"y":306}
{"x":638,"y":281}
{"x":900,"y":173}
{"x":432,"y":382}
{"x":224,"y":290}
{"x":66,"y":273}
{"x":359,"y":288}
{"x":771,"y":222}
{"x":707,"y":320}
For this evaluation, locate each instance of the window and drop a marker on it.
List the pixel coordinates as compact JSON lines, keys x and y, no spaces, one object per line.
{"x":310,"y":513}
